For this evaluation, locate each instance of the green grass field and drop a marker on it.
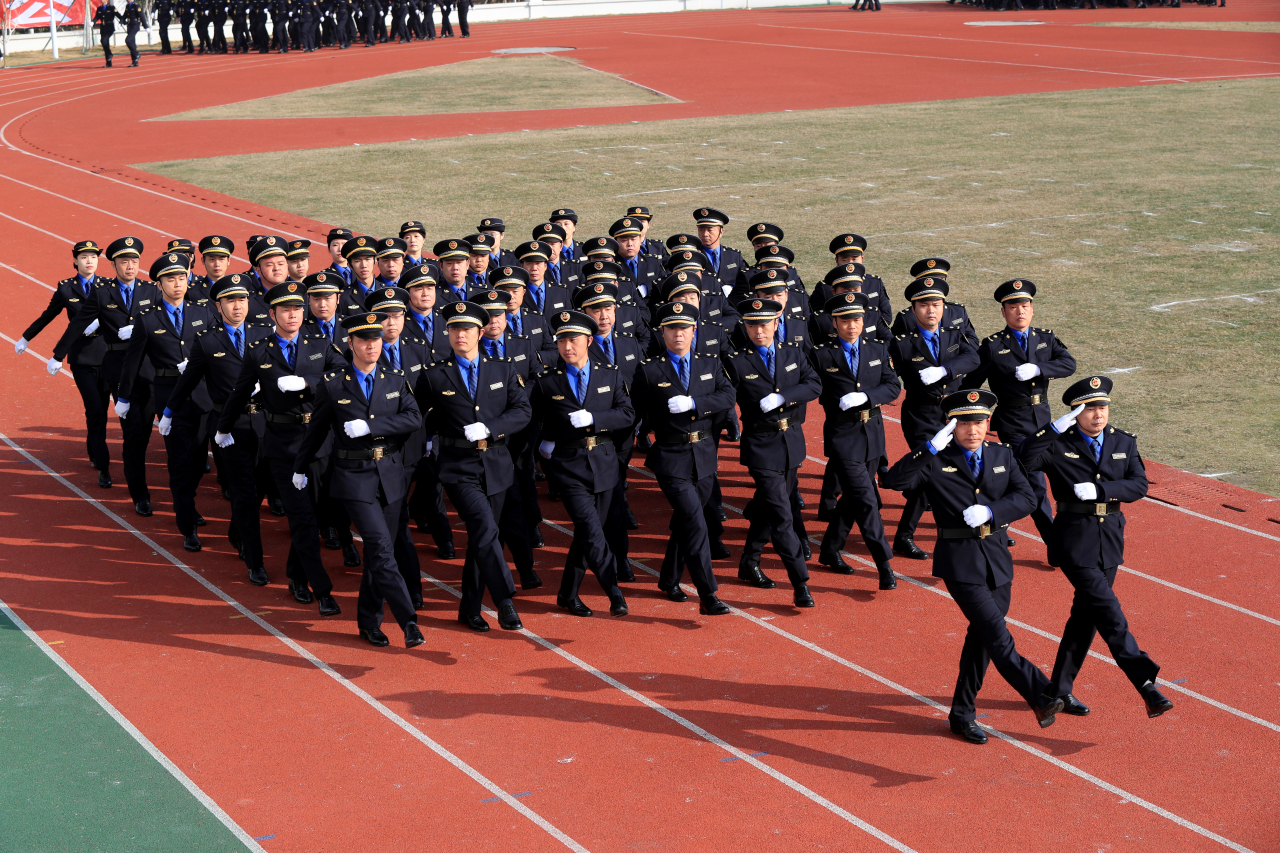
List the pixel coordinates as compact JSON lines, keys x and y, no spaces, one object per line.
{"x":1142,"y":213}
{"x":1224,"y":26}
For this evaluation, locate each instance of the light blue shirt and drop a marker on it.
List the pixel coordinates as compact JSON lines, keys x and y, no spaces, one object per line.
{"x":175,"y":314}
{"x":365,"y":380}
{"x":464,"y":365}
{"x":573,"y":373}
{"x":851,"y":354}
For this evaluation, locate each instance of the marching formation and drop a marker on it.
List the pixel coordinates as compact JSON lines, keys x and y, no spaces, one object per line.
{"x":357,"y":395}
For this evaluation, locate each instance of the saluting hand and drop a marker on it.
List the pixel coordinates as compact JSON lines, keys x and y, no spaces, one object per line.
{"x":943,"y":438}
{"x":1064,"y":423}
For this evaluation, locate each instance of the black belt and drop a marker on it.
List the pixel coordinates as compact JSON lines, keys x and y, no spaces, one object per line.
{"x":981,"y":532}
{"x":374,"y":453}
{"x":591,"y":442}
{"x":249,"y":409}
{"x":117,"y":347}
{"x":1018,"y":402}
{"x":856,"y":415}
{"x":683,"y":437}
{"x":1082,"y":508}
{"x":164,"y":371}
{"x":766,"y":427}
{"x":482,"y":444}
{"x":304,"y":418}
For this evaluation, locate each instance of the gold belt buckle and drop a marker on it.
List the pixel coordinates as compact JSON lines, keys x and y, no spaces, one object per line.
{"x":378,"y":453}
{"x":783,"y":424}
{"x":1035,"y":399}
{"x":306,"y":417}
{"x":865,"y":415}
{"x":1099,"y":509}
{"x":251,"y":409}
{"x":984,"y":531}
{"x":695,"y":437}
{"x":482,"y":444}
{"x":591,"y":442}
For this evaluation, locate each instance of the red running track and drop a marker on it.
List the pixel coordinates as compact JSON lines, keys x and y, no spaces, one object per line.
{"x":770,"y":729}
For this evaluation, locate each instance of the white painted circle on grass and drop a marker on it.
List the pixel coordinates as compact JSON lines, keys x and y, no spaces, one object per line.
{"x":508,"y":50}
{"x":1003,"y":23}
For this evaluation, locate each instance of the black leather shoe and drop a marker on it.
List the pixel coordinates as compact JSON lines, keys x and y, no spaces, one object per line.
{"x":887,"y":580}
{"x":1010,"y":541}
{"x":720,"y":512}
{"x":969,"y":731}
{"x":508,"y":619}
{"x":625,"y":575}
{"x":1046,"y":713}
{"x":143,"y":508}
{"x":200,"y":522}
{"x":374,"y":637}
{"x":445,"y":551}
{"x":802,"y":596}
{"x":1073,"y":706}
{"x":412,"y":636}
{"x":258,"y":577}
{"x":276,"y":507}
{"x":226,"y":493}
{"x":350,"y":556}
{"x":805,"y":550}
{"x":328,"y":606}
{"x":574,"y":605}
{"x":331,"y":539}
{"x":191,"y":542}
{"x":530,"y":580}
{"x":1157,"y":703}
{"x":632,"y":524}
{"x":709,"y":605}
{"x":643,"y":442}
{"x":475,"y":623}
{"x":104,"y":479}
{"x":718,"y":551}
{"x":908,"y":548}
{"x":836,"y":563}
{"x":753,"y":576}
{"x":618,"y":606}
{"x":416,"y":600}
{"x":300,"y":593}
{"x":676,"y":594}
{"x":536,"y":538}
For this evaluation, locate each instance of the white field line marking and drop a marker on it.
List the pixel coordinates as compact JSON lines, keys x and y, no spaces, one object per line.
{"x":34,"y":228}
{"x":163,"y":760}
{"x":42,"y":359}
{"x":1167,"y":306}
{"x":694,"y":727}
{"x":1010,"y":739}
{"x":20,"y":272}
{"x":302,"y":652}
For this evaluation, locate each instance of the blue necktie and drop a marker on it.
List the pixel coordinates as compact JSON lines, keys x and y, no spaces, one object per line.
{"x":492,"y":347}
{"x":236,"y":342}
{"x":714,"y":255}
{"x":768,"y":361}
{"x":326,"y":326}
{"x":933,"y":345}
{"x":852,"y":355}
{"x":781,"y":334}
{"x":514,"y":320}
{"x":126,"y":293}
{"x":634,"y":265}
{"x":606,"y":344}
{"x":581,"y":389}
{"x":429,"y":328}
{"x":395,"y":357}
{"x":554,"y":271}
{"x":684,"y":373}
{"x":537,"y":297}
{"x":1096,"y":447}
{"x":177,"y":321}
{"x":975,"y":464}
{"x":1021,"y":337}
{"x":288,"y":354}
{"x":366,"y":383}
{"x":471,"y":380}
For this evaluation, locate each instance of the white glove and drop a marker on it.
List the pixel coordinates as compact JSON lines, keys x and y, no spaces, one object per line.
{"x":428,"y":447}
{"x":581,"y":418}
{"x":930,"y":375}
{"x":122,"y":409}
{"x":257,"y":389}
{"x":356,"y":428}
{"x":943,"y":438}
{"x":642,"y":290}
{"x":727,"y":290}
{"x":1086,"y":491}
{"x":977,"y":515}
{"x":771,"y":402}
{"x":20,"y":347}
{"x":545,"y":449}
{"x":53,"y":366}
{"x":125,"y":332}
{"x":299,"y":481}
{"x":475,"y":432}
{"x":166,"y":424}
{"x":1026,"y":371}
{"x":680,"y":403}
{"x":852,"y":400}
{"x":91,"y":328}
{"x":1064,"y":423}
{"x":223,"y":439}
{"x":291,"y":383}
{"x":182,"y":366}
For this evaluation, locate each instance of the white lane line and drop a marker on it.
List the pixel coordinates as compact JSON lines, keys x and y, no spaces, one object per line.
{"x":33,"y":228}
{"x":20,"y":272}
{"x":163,"y":760}
{"x":1247,"y":297}
{"x":679,"y":720}
{"x":1186,"y":511}
{"x":1010,"y":739}
{"x":409,"y":728}
{"x":43,"y":360}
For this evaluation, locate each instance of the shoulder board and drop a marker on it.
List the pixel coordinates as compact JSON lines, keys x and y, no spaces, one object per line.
{"x":203,"y":332}
{"x":435,"y":364}
{"x":393,"y":371}
{"x":791,"y":344}
{"x":646,"y":361}
{"x":623,"y":335}
{"x":332,"y":374}
{"x":991,"y":337}
{"x":1126,"y":432}
{"x":64,"y":281}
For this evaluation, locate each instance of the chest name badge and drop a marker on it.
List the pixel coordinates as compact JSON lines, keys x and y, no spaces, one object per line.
{"x":604,"y":388}
{"x":790,"y":367}
{"x":392,"y":395}
{"x":494,"y":386}
{"x":873,"y":363}
{"x":219,"y":354}
{"x":999,"y":469}
{"x":704,"y":377}
{"x":1119,"y":456}
{"x":314,"y":356}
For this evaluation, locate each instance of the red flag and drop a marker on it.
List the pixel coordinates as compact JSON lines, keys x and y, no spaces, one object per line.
{"x":35,"y":13}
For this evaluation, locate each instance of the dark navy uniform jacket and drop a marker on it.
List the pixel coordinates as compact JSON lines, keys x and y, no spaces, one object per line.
{"x":651,"y":274}
{"x":1083,"y":537}
{"x":155,"y":339}
{"x":87,"y":350}
{"x":607,"y":400}
{"x":846,"y":434}
{"x":554,"y":298}
{"x":655,"y":383}
{"x":922,"y":408}
{"x":954,"y":316}
{"x":1024,"y":405}
{"x":765,"y":446}
{"x":731,"y":264}
{"x":501,"y":404}
{"x":877,"y":298}
{"x":439,"y":339}
{"x":106,"y":305}
{"x":951,"y":489}
{"x":215,"y":361}
{"x":340,"y":339}
{"x":534,"y":327}
{"x":392,"y":414}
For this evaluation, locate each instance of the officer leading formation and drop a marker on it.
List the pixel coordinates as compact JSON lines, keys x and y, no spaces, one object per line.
{"x":361,"y":394}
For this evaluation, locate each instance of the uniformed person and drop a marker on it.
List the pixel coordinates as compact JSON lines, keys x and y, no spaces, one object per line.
{"x":479,"y":262}
{"x":216,"y":360}
{"x":452,"y":256}
{"x":285,"y":368}
{"x":1093,"y":468}
{"x":726,"y":262}
{"x":298,"y":256}
{"x":112,"y":308}
{"x":542,"y":296}
{"x":521,"y":319}
{"x":641,"y":273}
{"x":932,"y":362}
{"x":494,"y":227}
{"x":774,"y":384}
{"x":134,"y":18}
{"x":954,"y":314}
{"x":215,"y":257}
{"x":852,"y":249}
{"x":857,"y":374}
{"x":713,"y":305}
{"x":560,"y":270}
{"x":414,"y":235}
{"x":269,"y":267}
{"x":105,"y":17}
{"x":567,"y":219}
{"x":581,"y":404}
{"x":678,"y":393}
{"x":793,"y":321}
{"x":474,"y":403}
{"x":323,"y":291}
{"x":361,"y":254}
{"x":187,"y":17}
{"x":1017,"y":363}
{"x":84,"y":354}
{"x":164,"y":17}
{"x":336,"y":239}
{"x":366,"y":412}
{"x":650,"y":246}
{"x":977,"y":489}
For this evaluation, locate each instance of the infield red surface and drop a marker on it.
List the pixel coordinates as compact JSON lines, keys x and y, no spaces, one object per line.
{"x":830,"y":702}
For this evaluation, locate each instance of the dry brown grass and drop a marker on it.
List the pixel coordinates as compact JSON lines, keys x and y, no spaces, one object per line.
{"x":1113,"y":201}
{"x":1226,"y":26}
